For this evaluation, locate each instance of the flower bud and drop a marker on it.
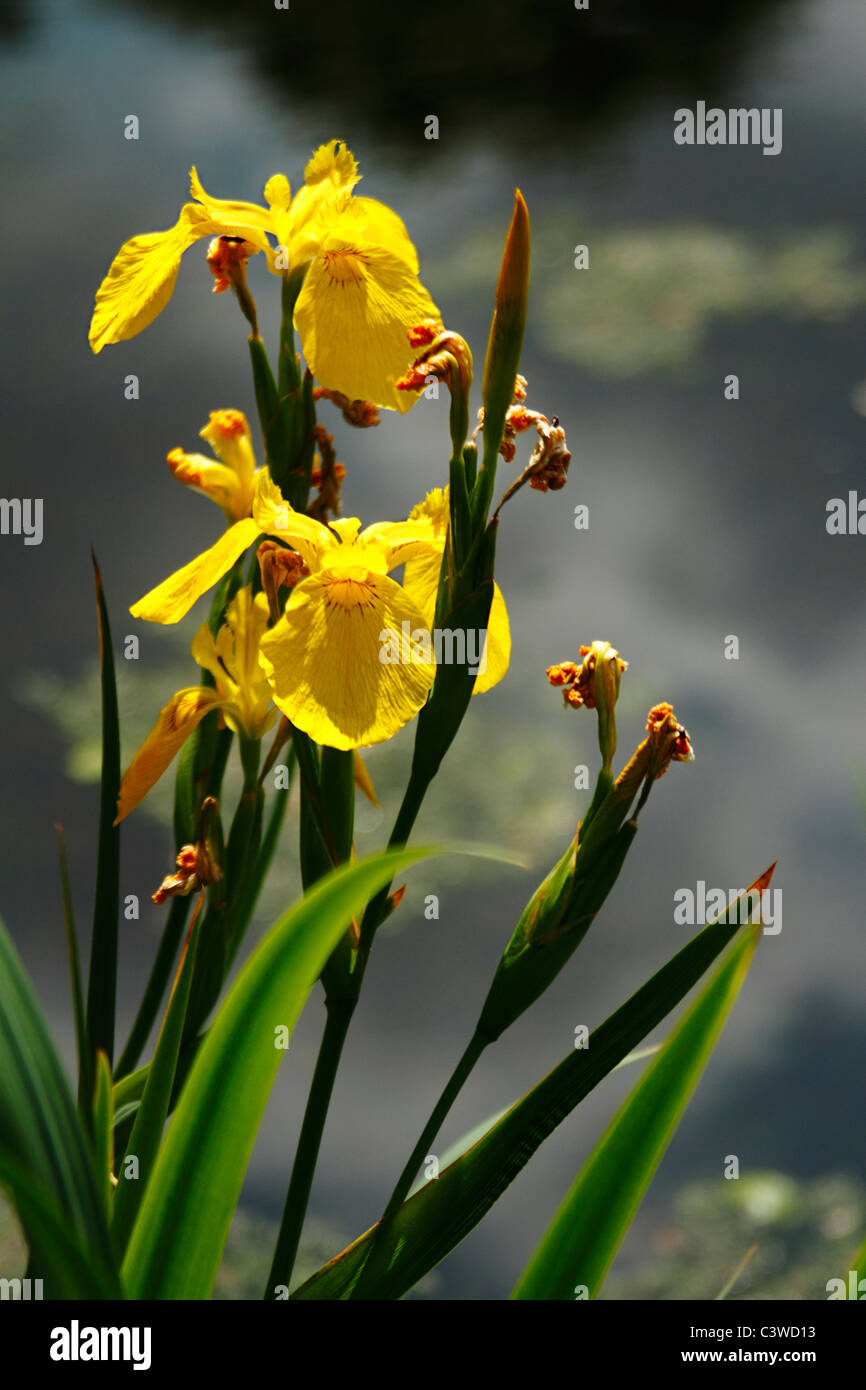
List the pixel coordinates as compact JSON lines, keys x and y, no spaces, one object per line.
{"x":595,"y":684}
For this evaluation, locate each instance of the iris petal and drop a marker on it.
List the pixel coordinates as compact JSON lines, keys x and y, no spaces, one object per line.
{"x":353,"y":313}
{"x":323,"y":659}
{"x":175,"y":596}
{"x":176,"y":722}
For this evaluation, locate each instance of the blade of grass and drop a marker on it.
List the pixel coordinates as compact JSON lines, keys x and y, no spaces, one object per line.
{"x":67,"y":1267}
{"x":42,"y":1134}
{"x":723,"y":1292}
{"x":102,"y":984}
{"x":103,"y":1130}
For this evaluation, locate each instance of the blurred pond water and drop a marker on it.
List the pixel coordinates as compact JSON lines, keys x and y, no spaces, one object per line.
{"x":706,"y":518}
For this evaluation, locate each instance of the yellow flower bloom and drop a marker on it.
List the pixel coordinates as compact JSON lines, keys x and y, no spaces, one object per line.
{"x":421,"y":581}
{"x":230,"y":482}
{"x":241,"y":692}
{"x":360,"y":295}
{"x":325,"y":659}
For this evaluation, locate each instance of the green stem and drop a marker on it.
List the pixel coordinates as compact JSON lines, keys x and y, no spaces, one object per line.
{"x":309,"y":1142}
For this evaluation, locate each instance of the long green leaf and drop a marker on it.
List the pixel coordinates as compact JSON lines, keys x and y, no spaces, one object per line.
{"x":430,"y":1224}
{"x":66,"y":1268}
{"x":103,"y":1129}
{"x":177,"y":1241}
{"x":41,"y":1132}
{"x":102,"y":984}
{"x":579,"y":1246}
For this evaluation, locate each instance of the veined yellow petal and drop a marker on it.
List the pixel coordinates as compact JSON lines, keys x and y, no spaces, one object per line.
{"x":175,"y":596}
{"x":176,"y":722}
{"x":323,"y":659}
{"x":353,"y":313}
{"x":366,"y":222}
{"x":498,"y":651}
{"x":141,"y":278}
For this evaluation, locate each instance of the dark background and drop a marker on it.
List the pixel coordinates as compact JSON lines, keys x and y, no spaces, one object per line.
{"x":707,"y":518}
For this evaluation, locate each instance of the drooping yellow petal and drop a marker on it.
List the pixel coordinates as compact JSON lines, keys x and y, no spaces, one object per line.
{"x":353,"y":313}
{"x":141,"y":278}
{"x":176,"y":722}
{"x":175,"y":596}
{"x":324,"y":659}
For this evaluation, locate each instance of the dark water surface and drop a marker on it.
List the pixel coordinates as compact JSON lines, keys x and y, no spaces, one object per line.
{"x":707,"y":518}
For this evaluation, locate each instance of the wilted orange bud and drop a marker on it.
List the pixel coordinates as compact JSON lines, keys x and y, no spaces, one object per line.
{"x":670,"y":741}
{"x":195,"y":869}
{"x":227,"y":257}
{"x":600,"y":663}
{"x":443,"y":355}
{"x":422,"y":334}
{"x":362,"y":414}
{"x":280,"y":569}
{"x":563,"y":674}
{"x":595,"y":684}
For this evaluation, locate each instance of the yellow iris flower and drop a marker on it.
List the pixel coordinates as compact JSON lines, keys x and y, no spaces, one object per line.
{"x":360,"y":295}
{"x":324,"y":658}
{"x":241,"y":692}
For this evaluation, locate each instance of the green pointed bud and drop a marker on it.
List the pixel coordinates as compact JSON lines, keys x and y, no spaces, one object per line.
{"x":552,"y":926}
{"x":506,"y":329}
{"x":503,"y":349}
